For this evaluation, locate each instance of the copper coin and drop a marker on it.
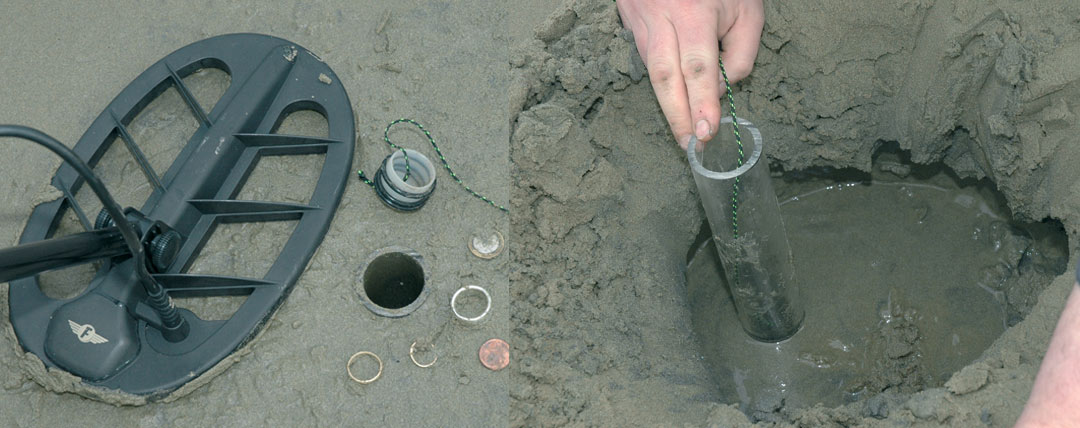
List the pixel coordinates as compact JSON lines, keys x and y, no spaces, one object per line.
{"x":495,"y":354}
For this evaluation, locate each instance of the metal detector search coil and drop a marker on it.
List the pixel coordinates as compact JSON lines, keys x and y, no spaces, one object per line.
{"x":412,"y":192}
{"x":123,"y":332}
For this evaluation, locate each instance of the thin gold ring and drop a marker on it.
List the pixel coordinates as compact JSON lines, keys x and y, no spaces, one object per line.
{"x":348,"y":367}
{"x":412,"y":350}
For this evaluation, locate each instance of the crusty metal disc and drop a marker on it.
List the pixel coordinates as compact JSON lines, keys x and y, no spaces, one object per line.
{"x":487,"y":245}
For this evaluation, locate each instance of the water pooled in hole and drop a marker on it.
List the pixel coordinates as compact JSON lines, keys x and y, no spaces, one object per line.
{"x":906,"y":277}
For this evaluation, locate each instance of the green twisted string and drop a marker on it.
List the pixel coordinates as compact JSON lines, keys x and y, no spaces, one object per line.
{"x":738,"y":140}
{"x":735,"y":185}
{"x":386,"y":138}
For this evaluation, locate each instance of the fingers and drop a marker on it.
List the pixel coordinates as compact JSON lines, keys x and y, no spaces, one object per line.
{"x":665,"y":73}
{"x":631,"y":19}
{"x":699,"y":53}
{"x":740,"y":42}
{"x":678,"y":43}
{"x":641,"y":39}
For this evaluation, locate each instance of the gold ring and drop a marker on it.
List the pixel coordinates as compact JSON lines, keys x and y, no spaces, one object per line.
{"x":412,"y":349}
{"x":348,"y":367}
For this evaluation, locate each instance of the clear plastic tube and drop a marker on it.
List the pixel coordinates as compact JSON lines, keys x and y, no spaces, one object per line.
{"x":737,"y":194}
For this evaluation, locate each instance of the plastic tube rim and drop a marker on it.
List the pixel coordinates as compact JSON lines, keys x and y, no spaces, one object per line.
{"x":420,"y":165}
{"x":695,"y":164}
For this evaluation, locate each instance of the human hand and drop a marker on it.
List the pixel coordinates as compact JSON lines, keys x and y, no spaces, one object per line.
{"x":677,"y":40}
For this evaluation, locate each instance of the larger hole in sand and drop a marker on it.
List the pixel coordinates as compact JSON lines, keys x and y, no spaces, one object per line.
{"x":907,"y":275}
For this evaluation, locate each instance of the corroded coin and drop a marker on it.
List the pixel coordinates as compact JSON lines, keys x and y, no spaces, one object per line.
{"x":486,"y":244}
{"x":495,"y":354}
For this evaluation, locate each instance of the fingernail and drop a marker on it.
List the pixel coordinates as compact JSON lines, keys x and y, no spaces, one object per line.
{"x":703,"y":129}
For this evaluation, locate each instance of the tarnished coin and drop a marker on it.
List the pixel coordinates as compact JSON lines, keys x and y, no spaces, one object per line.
{"x":486,"y":244}
{"x":495,"y":354}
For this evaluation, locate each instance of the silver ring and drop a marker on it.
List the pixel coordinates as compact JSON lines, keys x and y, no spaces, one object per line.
{"x":453,"y":303}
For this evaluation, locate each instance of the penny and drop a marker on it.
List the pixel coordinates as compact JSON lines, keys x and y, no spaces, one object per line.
{"x":495,"y":354}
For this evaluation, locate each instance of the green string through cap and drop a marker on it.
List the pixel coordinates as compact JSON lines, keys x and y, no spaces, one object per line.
{"x":386,"y":138}
{"x":735,"y":185}
{"x":738,"y":140}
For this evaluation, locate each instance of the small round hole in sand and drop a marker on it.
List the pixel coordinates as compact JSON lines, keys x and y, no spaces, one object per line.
{"x":393,"y":282}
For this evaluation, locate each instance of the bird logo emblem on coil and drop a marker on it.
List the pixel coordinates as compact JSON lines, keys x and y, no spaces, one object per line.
{"x":86,"y":333}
